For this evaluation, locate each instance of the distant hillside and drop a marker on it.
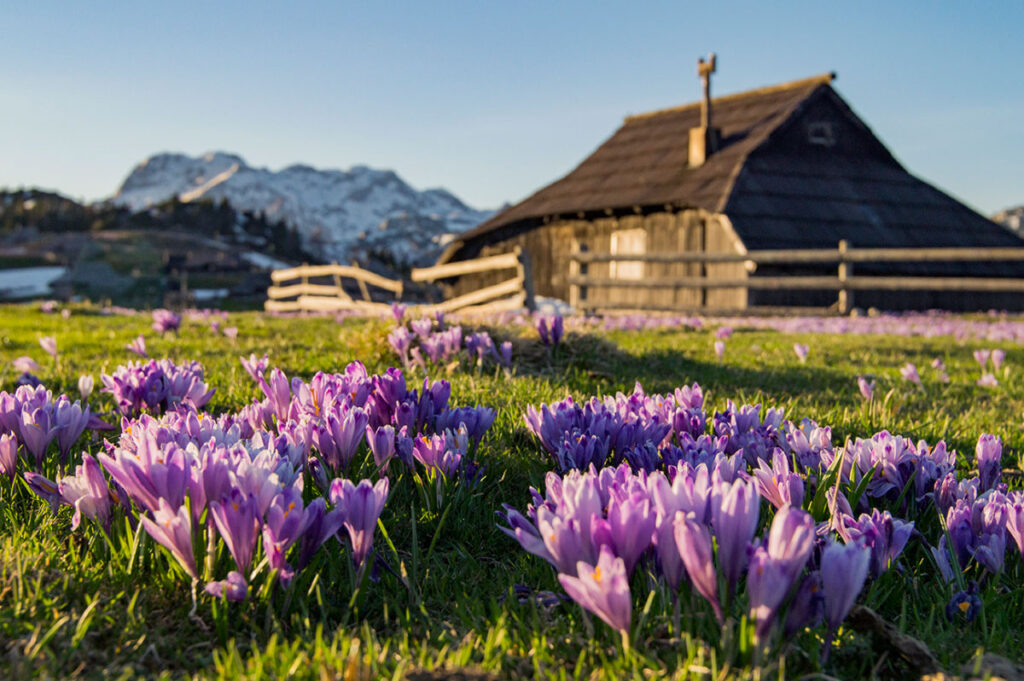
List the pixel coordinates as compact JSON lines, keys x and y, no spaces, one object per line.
{"x":1012,"y":219}
{"x":357,"y":213}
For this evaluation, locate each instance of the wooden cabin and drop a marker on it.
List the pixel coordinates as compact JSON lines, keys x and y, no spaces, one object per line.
{"x":783,"y":167}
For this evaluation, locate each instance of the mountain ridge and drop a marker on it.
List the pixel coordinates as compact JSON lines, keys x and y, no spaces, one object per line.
{"x":343,"y":214}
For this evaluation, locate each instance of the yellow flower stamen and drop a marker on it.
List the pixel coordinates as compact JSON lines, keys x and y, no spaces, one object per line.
{"x":597,"y":574}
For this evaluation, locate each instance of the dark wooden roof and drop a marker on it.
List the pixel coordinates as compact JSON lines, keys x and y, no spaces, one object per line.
{"x":765,"y":178}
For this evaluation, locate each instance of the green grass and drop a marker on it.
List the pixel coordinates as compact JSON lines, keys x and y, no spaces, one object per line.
{"x":73,"y":605}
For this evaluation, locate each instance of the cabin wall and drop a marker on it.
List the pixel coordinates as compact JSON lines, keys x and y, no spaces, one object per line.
{"x":550,"y":245}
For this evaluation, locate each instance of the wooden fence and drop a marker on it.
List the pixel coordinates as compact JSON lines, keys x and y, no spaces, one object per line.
{"x":512,"y":294}
{"x":305,"y":296}
{"x":292,"y":290}
{"x":844,"y":282}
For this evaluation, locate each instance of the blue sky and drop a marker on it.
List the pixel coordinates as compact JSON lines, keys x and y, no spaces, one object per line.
{"x":490,"y":100}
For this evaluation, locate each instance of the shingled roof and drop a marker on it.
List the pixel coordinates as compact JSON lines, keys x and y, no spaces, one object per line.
{"x":774,"y":200}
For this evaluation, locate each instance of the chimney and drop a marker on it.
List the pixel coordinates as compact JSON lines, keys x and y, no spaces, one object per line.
{"x":704,"y":140}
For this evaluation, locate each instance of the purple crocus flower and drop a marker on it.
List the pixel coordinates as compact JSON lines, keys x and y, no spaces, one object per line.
{"x":909,"y":373}
{"x":237,"y":523}
{"x":361,"y":505}
{"x":422,"y":327}
{"x":255,"y":366}
{"x":767,"y":585}
{"x":505,"y":354}
{"x":165,"y":320}
{"x":1015,"y":522}
{"x":87,"y":492}
{"x":734,"y":519}
{"x":173,"y":529}
{"x":988,"y":380}
{"x":279,"y":393}
{"x":807,"y":606}
{"x":49,"y":345}
{"x":323,"y":525}
{"x":723,"y":332}
{"x":964,"y":605}
{"x":631,"y":522}
{"x":37,"y":432}
{"x":286,"y":520}
{"x":867,"y":389}
{"x":884,"y":535}
{"x":801,"y":351}
{"x":26,"y":365}
{"x":603,"y":589}
{"x":981,"y":357}
{"x":70,"y":420}
{"x":843,"y":570}
{"x":433,"y":452}
{"x":720,"y":349}
{"x":998,"y":356}
{"x":400,"y":339}
{"x":694,"y":542}
{"x":234,"y":588}
{"x":8,"y":455}
{"x":382,"y":444}
{"x":777,"y":484}
{"x":138,"y":346}
{"x":85,"y":385}
{"x":989,"y":452}
{"x":45,"y":489}
{"x":398,"y":312}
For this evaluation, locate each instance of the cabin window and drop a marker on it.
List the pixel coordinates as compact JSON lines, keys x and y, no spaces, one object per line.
{"x":628,"y":242}
{"x":821,"y":133}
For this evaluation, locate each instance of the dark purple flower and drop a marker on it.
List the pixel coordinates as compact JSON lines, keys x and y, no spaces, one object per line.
{"x":382,"y":444}
{"x":807,"y":607}
{"x":234,"y":588}
{"x":884,"y":535}
{"x":45,"y":489}
{"x":965,"y":605}
{"x":361,"y":506}
{"x":631,"y":521}
{"x":603,"y":589}
{"x":70,"y":420}
{"x":165,"y":321}
{"x":37,"y":432}
{"x":323,"y":525}
{"x":505,"y":354}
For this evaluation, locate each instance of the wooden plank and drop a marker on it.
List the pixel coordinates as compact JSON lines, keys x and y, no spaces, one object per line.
{"x":494,"y":262}
{"x":358,"y":273}
{"x":321,"y":304}
{"x":818,"y":255}
{"x":282,"y":306}
{"x":703,"y":311}
{"x":937,"y":284}
{"x":516,"y":302}
{"x":304,"y":289}
{"x":824,"y":282}
{"x":512,"y":286}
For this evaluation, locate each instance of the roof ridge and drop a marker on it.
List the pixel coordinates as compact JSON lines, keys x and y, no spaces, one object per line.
{"x":821,"y":79}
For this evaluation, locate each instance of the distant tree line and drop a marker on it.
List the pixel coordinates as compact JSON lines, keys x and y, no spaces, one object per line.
{"x":53,"y":213}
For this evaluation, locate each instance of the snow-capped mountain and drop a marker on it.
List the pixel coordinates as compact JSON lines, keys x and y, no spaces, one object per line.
{"x":1012,"y":219}
{"x":340,"y":213}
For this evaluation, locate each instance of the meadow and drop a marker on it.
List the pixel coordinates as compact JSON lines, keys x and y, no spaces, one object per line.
{"x":422,"y":582}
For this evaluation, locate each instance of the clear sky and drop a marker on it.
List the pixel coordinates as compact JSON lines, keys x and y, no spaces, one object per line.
{"x":489,"y":100}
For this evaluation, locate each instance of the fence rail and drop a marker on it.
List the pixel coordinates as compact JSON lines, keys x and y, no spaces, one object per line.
{"x":510,"y":294}
{"x":844,"y":281}
{"x":304,"y":296}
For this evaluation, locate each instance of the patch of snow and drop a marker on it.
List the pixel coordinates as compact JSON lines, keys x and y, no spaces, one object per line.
{"x":264,"y":262}
{"x":210,"y":293}
{"x":28,"y":282}
{"x":553,"y":306}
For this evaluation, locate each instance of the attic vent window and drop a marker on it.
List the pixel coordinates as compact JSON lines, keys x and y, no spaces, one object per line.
{"x":627,"y":242}
{"x":821,"y":133}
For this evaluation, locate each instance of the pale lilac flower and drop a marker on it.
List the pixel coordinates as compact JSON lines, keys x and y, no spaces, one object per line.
{"x":85,"y":385}
{"x":844,"y":568}
{"x":989,"y":453}
{"x":49,"y":344}
{"x":720,"y":349}
{"x":801,"y":351}
{"x":138,"y":346}
{"x":602,"y":589}
{"x":253,"y":366}
{"x":87,"y":492}
{"x":909,"y":373}
{"x":26,"y":365}
{"x":8,"y":455}
{"x":398,"y":312}
{"x":734,"y":516}
{"x":65,"y":313}
{"x":231,"y":332}
{"x":174,"y":531}
{"x":48,"y":306}
{"x":981,"y":357}
{"x":988,"y":380}
{"x":867,"y":389}
{"x":694,"y":542}
{"x":998,"y":356}
{"x":723,"y":332}
{"x":238,"y":525}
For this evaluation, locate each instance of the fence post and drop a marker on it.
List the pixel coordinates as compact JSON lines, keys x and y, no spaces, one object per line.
{"x":526,"y":270}
{"x":574,"y":271}
{"x":845,"y":301}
